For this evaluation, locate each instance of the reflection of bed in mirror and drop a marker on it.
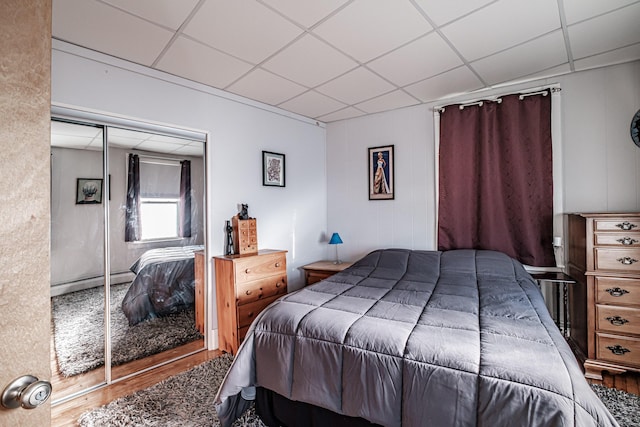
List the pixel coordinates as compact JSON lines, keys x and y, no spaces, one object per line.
{"x":164,"y":283}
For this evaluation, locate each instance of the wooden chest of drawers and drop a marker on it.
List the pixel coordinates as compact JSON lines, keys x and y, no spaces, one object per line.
{"x":246,"y":285}
{"x":604,"y":251}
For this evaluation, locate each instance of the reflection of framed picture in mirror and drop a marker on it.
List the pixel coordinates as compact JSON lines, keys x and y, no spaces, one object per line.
{"x":88,"y":191}
{"x":381,"y":177}
{"x":272,"y":169}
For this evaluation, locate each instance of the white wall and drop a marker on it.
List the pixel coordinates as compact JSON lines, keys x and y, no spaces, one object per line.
{"x":600,"y":164}
{"x":291,"y":218}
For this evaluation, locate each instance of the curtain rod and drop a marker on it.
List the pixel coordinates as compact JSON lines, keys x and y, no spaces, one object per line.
{"x":497,"y":98}
{"x":173,"y":160}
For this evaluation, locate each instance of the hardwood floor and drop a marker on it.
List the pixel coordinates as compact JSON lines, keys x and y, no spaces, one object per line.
{"x":67,"y":413}
{"x":629,"y":382}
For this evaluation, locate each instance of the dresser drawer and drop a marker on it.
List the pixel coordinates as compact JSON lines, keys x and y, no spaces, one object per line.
{"x":255,"y":268}
{"x":617,"y":290}
{"x":622,"y":224}
{"x":248,"y":312}
{"x":253,"y":291}
{"x":617,"y":239}
{"x":619,"y":320}
{"x":618,"y":349}
{"x":627,"y":260}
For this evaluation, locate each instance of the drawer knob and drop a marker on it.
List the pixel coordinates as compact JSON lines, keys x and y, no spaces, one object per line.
{"x":618,"y":350}
{"x":278,"y":284}
{"x":617,"y":292}
{"x":627,"y":241}
{"x":627,"y":260}
{"x":277,"y":264}
{"x":251,"y":315}
{"x":247,"y":271}
{"x":617,"y":320}
{"x":626,"y":226}
{"x":248,"y":292}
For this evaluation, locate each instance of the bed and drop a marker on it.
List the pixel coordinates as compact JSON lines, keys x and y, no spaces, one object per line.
{"x":164,"y":283}
{"x":414,"y":338}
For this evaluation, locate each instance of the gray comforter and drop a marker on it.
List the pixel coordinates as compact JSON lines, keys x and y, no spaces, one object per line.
{"x":418,"y":338}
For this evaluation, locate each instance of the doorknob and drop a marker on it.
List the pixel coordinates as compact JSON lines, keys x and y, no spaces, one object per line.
{"x":26,"y":391}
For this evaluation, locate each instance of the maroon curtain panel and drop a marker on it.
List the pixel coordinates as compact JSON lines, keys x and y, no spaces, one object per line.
{"x":496,"y":178}
{"x":185,"y":198}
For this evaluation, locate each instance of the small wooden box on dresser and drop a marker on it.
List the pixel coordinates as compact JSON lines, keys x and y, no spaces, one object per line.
{"x":604,"y":257}
{"x":246,"y":285}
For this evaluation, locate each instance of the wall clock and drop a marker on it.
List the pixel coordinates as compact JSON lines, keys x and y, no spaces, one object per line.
{"x":635,"y":128}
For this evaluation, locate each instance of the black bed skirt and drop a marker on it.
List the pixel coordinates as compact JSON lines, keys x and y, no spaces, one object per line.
{"x":276,"y":410}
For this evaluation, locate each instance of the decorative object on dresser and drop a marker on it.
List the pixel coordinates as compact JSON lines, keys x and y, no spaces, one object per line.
{"x":604,"y":256}
{"x":336,"y":240}
{"x":229,"y":246}
{"x":320,"y":270}
{"x":246,"y":285}
{"x":245,"y":232}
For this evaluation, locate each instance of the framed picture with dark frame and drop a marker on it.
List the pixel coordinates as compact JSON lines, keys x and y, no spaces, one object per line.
{"x":381,"y":177}
{"x":88,"y":191}
{"x":273,"y":171}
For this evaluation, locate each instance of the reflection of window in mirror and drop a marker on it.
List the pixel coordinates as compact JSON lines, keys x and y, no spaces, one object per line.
{"x":159,"y":198}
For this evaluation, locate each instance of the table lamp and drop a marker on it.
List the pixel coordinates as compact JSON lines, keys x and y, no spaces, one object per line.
{"x":336,"y":240}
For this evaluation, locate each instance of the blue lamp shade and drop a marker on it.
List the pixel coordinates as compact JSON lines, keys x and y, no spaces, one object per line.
{"x":335,"y":239}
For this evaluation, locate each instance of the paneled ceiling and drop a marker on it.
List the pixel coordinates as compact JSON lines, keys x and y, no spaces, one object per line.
{"x":335,"y":59}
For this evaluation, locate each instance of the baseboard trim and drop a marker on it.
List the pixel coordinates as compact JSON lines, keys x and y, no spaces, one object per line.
{"x":79,"y":285}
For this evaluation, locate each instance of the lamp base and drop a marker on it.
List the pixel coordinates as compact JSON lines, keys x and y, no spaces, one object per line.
{"x":337,"y":262}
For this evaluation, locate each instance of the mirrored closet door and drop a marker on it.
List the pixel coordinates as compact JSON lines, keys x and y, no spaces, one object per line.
{"x":147,"y":213}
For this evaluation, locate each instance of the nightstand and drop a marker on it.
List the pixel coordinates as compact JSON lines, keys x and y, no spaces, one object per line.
{"x":317,"y":271}
{"x":558,"y":280}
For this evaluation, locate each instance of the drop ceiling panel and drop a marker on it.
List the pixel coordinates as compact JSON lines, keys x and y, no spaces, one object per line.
{"x":617,"y":56}
{"x":528,"y":58}
{"x":109,"y":30}
{"x":502,"y":25}
{"x":168,"y":13}
{"x":312,"y":104}
{"x":366,"y":29}
{"x":579,"y":10}
{"x":356,"y":86}
{"x":606,"y":32}
{"x":309,"y":62}
{"x":346,"y":113}
{"x":245,"y":29}
{"x":418,"y":60}
{"x":200,"y":63}
{"x":389,"y":101}
{"x":305,"y":13}
{"x":450,"y":83}
{"x":443,"y":11}
{"x":266,"y":87}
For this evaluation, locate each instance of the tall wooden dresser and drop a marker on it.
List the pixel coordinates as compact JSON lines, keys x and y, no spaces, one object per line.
{"x":246,"y":285}
{"x":604,"y":257}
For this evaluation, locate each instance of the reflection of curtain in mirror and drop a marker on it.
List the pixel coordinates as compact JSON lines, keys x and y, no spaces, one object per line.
{"x":185,"y":198}
{"x":496,"y":179}
{"x":132,"y":225}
